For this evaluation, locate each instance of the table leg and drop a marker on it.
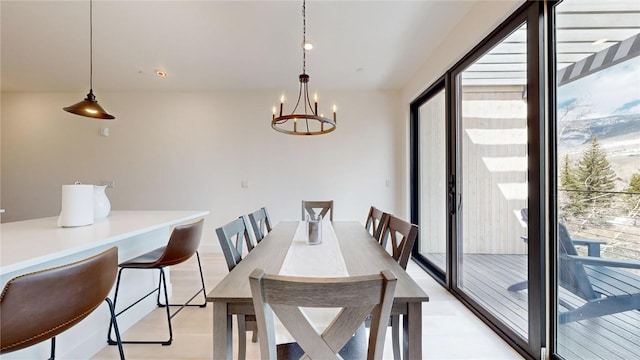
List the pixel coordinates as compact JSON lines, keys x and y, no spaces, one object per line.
{"x":222,"y":332}
{"x":412,"y":324}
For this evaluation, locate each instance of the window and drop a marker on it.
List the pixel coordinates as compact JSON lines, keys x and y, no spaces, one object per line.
{"x":597,"y":141}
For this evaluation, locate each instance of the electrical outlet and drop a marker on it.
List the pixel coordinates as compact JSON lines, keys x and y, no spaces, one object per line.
{"x":110,"y":183}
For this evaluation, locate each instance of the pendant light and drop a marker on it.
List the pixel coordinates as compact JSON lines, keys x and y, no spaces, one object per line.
{"x":307,"y":121}
{"x":89,"y":106}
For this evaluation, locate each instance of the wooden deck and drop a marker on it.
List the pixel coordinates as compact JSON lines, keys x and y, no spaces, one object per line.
{"x":486,"y":279}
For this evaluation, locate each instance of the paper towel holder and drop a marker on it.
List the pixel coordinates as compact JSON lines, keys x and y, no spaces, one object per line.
{"x":76,"y":205}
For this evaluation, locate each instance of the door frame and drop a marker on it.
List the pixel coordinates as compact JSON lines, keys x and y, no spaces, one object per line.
{"x":533,"y":13}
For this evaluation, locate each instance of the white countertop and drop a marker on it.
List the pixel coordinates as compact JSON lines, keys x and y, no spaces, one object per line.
{"x":29,"y":242}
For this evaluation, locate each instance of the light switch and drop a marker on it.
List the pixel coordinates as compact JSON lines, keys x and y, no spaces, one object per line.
{"x":104,"y":131}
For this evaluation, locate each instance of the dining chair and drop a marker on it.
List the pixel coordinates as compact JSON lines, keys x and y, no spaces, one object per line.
{"x":41,"y":305}
{"x":317,"y":207}
{"x":402,"y":235}
{"x":261,"y":223}
{"x":232,"y":236}
{"x":182,"y":245}
{"x":357,"y":297}
{"x":376,"y":222}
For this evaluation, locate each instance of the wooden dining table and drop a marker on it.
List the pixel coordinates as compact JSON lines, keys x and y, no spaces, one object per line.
{"x":360,"y":253}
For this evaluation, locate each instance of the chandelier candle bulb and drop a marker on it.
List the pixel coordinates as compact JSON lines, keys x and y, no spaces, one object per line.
{"x":315,"y":107}
{"x":281,"y":104}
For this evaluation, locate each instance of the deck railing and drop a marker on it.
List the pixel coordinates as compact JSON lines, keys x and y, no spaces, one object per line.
{"x":610,"y":216}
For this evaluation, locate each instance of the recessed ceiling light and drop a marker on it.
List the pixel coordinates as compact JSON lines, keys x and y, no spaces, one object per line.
{"x":161,"y":73}
{"x":600,"y":41}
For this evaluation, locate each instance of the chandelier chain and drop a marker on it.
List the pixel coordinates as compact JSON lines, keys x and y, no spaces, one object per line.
{"x":304,"y":37}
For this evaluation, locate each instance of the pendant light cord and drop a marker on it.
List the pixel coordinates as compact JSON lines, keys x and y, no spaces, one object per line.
{"x":91,"y":45}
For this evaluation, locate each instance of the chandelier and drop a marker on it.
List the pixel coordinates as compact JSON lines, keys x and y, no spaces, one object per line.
{"x":307,"y":121}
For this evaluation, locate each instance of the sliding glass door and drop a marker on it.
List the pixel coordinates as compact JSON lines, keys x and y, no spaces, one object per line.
{"x":430,"y":123}
{"x":493,"y":181}
{"x":597,"y":157}
{"x":478,"y":180}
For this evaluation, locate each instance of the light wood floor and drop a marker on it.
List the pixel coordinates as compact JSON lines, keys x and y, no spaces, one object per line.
{"x":450,"y":331}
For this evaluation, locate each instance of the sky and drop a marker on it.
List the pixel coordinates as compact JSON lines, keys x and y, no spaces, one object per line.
{"x":613,"y":91}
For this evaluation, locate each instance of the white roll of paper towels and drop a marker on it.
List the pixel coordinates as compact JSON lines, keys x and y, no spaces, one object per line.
{"x":77,"y":206}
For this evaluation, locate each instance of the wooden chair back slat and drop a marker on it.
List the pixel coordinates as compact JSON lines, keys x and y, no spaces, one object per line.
{"x":261,"y":223}
{"x":376,"y":223}
{"x":402,"y":235}
{"x":231,"y":237}
{"x":356,"y":296}
{"x":573,"y":276}
{"x":317,"y":207}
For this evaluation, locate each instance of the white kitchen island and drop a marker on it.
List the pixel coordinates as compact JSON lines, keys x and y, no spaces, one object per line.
{"x":32,"y":245}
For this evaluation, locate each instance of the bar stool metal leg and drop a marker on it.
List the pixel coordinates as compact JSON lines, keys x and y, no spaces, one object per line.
{"x":53,"y":348}
{"x":161,"y":281}
{"x":114,"y":322}
{"x":161,"y":284}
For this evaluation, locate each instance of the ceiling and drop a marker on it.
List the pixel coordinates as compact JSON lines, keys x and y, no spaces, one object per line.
{"x":219,"y":45}
{"x":584,"y":28}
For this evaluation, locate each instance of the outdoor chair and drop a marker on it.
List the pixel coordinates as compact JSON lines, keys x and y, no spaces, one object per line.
{"x":593,"y":249}
{"x":603,"y":285}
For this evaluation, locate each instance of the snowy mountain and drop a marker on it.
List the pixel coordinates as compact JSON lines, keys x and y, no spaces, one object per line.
{"x":578,"y":132}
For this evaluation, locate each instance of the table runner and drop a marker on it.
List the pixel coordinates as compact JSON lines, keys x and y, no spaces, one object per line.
{"x":320,"y":260}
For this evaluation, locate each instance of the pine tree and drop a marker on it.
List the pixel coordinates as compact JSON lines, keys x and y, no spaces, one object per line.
{"x":633,"y":198}
{"x":568,"y":179}
{"x":570,"y":198}
{"x":596,"y":178}
{"x":634,"y":183}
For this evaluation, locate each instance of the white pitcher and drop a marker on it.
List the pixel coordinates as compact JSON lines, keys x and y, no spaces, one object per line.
{"x":101,"y":204}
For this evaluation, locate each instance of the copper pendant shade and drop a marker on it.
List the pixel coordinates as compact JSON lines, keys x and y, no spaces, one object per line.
{"x":89,"y":106}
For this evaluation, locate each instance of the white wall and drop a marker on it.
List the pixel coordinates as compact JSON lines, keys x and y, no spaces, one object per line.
{"x":192,"y":150}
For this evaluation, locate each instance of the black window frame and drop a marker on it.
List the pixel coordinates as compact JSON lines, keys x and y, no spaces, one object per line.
{"x":541,"y":201}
